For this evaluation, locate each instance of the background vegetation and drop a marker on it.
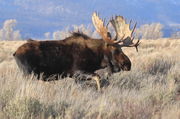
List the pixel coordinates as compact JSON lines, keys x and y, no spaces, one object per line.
{"x":151,"y":90}
{"x":145,"y":31}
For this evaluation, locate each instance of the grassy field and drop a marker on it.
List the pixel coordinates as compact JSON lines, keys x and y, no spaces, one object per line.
{"x":151,"y":90}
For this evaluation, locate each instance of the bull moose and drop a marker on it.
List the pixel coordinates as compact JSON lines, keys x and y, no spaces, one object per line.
{"x":79,"y":52}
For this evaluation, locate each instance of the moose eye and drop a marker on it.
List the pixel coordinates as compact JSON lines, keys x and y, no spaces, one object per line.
{"x":117,"y":51}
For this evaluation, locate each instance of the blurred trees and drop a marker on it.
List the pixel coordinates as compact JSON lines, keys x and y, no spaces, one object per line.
{"x":8,"y":33}
{"x":150,"y":31}
{"x":62,"y":34}
{"x":176,"y":35}
{"x":146,"y":31}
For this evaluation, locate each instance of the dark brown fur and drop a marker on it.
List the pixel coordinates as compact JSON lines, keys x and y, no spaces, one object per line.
{"x":75,"y":53}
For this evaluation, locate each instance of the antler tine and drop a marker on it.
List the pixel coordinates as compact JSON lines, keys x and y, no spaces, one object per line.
{"x":116,"y":26}
{"x":137,"y":44}
{"x":118,"y":41}
{"x":104,"y":20}
{"x":133,"y":29}
{"x":107,"y":24}
{"x":112,"y":21}
{"x":130,"y":24}
{"x":109,"y":21}
{"x":132,"y":45}
{"x":132,"y":39}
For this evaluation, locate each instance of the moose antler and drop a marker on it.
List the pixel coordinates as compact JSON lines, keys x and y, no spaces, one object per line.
{"x":124,"y":34}
{"x":100,"y":28}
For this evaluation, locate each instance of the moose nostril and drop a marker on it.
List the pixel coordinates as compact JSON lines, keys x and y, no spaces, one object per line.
{"x":14,"y":54}
{"x":126,"y":68}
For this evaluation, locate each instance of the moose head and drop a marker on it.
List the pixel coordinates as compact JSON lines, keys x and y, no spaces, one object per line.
{"x":113,"y":53}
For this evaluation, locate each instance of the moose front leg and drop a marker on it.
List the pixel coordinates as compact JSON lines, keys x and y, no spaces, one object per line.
{"x":97,"y":79}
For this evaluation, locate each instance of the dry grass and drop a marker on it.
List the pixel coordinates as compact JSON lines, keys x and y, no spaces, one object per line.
{"x":151,"y":90}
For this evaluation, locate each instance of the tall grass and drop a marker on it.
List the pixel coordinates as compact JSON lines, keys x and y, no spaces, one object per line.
{"x":151,"y":90}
